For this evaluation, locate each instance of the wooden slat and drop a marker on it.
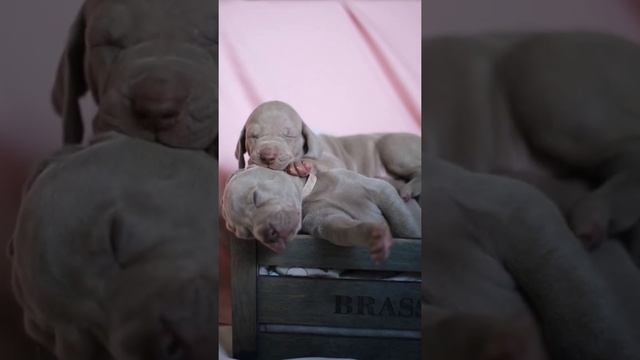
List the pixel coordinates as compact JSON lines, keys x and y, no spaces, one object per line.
{"x":305,"y":251}
{"x":283,"y":346}
{"x":243,"y":297}
{"x":344,"y":303}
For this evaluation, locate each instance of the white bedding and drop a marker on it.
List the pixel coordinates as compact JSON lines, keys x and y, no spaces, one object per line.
{"x":339,"y":274}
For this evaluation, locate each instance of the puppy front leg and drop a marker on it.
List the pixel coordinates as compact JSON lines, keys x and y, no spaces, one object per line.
{"x":611,"y":209}
{"x":344,"y":231}
{"x":300,"y":168}
{"x":403,"y":217}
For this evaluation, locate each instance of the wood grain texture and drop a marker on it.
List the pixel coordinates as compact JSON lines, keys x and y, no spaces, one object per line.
{"x":243,"y":297}
{"x":306,"y":251}
{"x":334,"y":302}
{"x":363,"y":304}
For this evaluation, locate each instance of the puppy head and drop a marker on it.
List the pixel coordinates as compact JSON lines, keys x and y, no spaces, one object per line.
{"x":126,"y":257}
{"x":274,"y":136}
{"x":263,"y":204}
{"x":150,"y":65}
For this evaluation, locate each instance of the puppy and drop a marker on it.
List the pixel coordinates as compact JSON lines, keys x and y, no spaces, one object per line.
{"x":151,"y":67}
{"x":275,"y":136}
{"x":114,"y":253}
{"x":343,"y":207}
{"x":560,"y":107}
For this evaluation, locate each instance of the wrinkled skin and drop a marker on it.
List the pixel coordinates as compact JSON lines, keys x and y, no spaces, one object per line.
{"x":114,"y":255}
{"x":151,"y":66}
{"x":276,"y":137}
{"x":344,"y":208}
{"x":265,"y":206}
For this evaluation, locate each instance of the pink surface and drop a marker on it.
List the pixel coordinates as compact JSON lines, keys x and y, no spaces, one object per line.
{"x":346,"y":66}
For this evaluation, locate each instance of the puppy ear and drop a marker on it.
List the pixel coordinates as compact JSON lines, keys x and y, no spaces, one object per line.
{"x":241,"y":149}
{"x":312,"y":149}
{"x":70,"y":83}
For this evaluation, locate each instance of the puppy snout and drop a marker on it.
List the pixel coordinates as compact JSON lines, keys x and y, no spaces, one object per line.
{"x":158,"y":99}
{"x":273,"y":234}
{"x":268,"y":155}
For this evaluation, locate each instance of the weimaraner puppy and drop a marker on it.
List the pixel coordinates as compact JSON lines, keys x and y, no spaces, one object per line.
{"x":341,"y":206}
{"x":151,"y":67}
{"x":114,"y":252}
{"x":558,"y":110}
{"x":275,"y":136}
{"x":497,"y":247}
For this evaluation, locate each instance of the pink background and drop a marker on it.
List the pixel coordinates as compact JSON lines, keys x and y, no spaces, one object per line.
{"x":346,"y":66}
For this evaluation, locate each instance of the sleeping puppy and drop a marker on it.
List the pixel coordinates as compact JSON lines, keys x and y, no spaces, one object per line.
{"x":557,"y":109}
{"x":275,"y":136}
{"x":151,"y":67}
{"x":495,"y":246}
{"x":343,"y":207}
{"x":114,"y":253}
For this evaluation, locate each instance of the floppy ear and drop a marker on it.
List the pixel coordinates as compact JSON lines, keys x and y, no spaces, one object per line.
{"x":241,"y":149}
{"x":70,"y":83}
{"x":312,"y":149}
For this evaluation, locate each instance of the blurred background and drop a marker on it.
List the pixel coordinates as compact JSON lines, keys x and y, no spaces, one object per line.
{"x":33,"y":33}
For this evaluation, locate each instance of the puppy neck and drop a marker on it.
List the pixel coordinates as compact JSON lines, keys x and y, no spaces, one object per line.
{"x":305,"y":185}
{"x":309,"y":185}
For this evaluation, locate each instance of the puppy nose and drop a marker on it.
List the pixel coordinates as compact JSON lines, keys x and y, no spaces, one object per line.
{"x":157,"y":99}
{"x":274,"y":233}
{"x":268,"y":155}
{"x":271,"y":234}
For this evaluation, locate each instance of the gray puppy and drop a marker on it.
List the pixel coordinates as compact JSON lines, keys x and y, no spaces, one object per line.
{"x":114,"y":253}
{"x":275,"y":136}
{"x":559,"y":110}
{"x":343,"y":207}
{"x":498,"y":247}
{"x":150,"y":65}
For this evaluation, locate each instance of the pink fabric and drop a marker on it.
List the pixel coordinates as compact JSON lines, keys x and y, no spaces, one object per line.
{"x":346,"y":66}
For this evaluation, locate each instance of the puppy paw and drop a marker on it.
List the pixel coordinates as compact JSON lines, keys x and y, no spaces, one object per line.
{"x":300,"y":168}
{"x":380,"y":243}
{"x":589,"y":221}
{"x":410,"y":190}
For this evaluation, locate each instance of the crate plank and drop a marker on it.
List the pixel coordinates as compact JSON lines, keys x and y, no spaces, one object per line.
{"x":282,"y":346}
{"x":243,"y":296}
{"x":306,"y":251}
{"x":334,"y":302}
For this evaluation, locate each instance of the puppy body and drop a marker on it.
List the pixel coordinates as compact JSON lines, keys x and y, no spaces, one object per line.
{"x":345,"y":208}
{"x":275,"y":136}
{"x":559,"y":107}
{"x":114,"y":253}
{"x":498,"y":247}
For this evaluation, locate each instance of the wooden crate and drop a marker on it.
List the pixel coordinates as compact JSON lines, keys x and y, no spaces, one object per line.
{"x":286,"y":317}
